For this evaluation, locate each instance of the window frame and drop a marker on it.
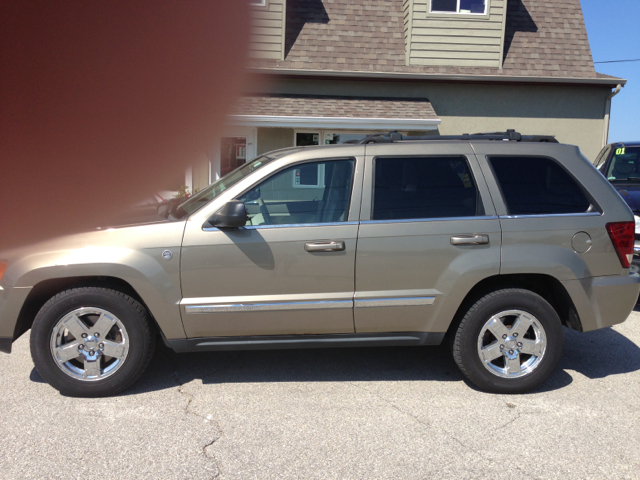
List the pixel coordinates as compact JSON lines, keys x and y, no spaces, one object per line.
{"x":354,"y":175}
{"x":594,"y":208}
{"x":457,"y":13}
{"x":258,"y":3}
{"x":481,"y":211}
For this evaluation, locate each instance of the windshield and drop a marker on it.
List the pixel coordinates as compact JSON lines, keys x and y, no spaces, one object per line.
{"x":204,"y":196}
{"x":624,"y":165}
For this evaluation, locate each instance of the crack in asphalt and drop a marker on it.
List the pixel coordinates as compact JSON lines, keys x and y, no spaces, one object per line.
{"x":449,"y":435}
{"x":189,"y":411}
{"x":392,"y":405}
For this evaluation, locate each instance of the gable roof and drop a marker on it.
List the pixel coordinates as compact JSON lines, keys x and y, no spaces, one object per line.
{"x":542,"y":39}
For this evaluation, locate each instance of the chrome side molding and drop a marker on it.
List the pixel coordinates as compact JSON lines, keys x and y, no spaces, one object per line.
{"x":264,"y":307}
{"x":394,"y":302}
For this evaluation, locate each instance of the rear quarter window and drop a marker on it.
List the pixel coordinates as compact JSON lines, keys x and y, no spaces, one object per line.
{"x":537,"y":185}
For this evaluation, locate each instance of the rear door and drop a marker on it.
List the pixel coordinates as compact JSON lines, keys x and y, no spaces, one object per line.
{"x":428,"y":234}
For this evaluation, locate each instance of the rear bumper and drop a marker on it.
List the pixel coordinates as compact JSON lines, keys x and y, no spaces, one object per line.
{"x":11,"y":301}
{"x":604,"y":301}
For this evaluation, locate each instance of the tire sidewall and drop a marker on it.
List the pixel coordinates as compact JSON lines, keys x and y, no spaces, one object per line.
{"x":128,"y":311}
{"x":467,"y":340}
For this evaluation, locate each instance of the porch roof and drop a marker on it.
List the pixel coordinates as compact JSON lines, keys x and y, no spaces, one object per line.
{"x":320,"y":111}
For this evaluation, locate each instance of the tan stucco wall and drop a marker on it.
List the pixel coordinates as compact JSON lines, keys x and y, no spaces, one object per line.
{"x":574,"y":114}
{"x":273,"y":139}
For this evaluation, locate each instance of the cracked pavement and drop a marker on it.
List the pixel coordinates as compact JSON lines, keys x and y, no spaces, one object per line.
{"x":342,"y":413}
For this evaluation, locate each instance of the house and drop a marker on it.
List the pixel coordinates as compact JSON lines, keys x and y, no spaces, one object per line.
{"x":329,"y":71}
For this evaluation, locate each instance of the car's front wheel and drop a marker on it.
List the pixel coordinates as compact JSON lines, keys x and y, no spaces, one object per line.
{"x":510,"y":341}
{"x":91,"y":341}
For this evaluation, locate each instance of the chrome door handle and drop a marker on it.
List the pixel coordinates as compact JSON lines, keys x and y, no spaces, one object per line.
{"x":470,"y":240}
{"x":332,"y":246}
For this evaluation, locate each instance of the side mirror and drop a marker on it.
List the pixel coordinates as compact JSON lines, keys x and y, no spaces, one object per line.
{"x":232,"y":215}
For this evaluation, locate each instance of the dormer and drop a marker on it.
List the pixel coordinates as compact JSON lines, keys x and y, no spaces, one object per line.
{"x":268,"y":18}
{"x":458,"y":33}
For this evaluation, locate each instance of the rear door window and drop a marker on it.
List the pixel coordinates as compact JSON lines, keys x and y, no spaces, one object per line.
{"x":424,"y":187}
{"x":537,"y":185}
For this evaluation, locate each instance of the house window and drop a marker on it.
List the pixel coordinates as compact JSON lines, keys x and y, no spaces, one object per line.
{"x":309,"y":176}
{"x":477,"y":7}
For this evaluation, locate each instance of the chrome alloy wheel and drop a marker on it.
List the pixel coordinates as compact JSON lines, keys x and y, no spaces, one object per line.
{"x":512,"y":344}
{"x":89,"y":344}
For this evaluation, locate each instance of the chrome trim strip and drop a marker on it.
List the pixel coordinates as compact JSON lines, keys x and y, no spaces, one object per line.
{"x":420,"y":220}
{"x":310,"y":340}
{"x":560,"y":215}
{"x":291,"y":298}
{"x":395,"y":302}
{"x":265,"y":307}
{"x":286,"y":225}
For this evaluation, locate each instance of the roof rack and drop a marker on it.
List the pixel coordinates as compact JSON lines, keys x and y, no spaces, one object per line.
{"x":508,"y":136}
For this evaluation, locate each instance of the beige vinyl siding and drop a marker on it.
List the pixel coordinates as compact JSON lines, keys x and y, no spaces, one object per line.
{"x":267,"y":30}
{"x":407,"y":8}
{"x":455,"y":39}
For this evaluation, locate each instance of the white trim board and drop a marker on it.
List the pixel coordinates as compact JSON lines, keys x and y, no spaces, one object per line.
{"x":335,"y":122}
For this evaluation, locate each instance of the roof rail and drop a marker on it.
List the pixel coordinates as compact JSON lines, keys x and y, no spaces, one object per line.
{"x":508,"y":136}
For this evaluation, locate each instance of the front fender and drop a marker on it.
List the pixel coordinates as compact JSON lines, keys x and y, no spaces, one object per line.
{"x":156,"y":280}
{"x":133,"y":254}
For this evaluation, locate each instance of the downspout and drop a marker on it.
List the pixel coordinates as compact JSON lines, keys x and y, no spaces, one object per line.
{"x":607,"y":115}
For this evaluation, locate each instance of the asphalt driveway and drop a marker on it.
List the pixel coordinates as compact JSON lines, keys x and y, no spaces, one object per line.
{"x":342,"y":413}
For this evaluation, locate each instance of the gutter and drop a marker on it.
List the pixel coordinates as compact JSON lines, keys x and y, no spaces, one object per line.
{"x":607,"y":114}
{"x":352,"y":74}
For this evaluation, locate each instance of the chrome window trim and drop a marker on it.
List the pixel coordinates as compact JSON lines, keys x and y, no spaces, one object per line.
{"x":394,"y":302}
{"x":435,"y":219}
{"x":264,"y":307}
{"x":285,"y":225}
{"x":547,"y":215}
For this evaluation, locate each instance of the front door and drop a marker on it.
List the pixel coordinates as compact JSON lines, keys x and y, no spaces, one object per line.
{"x":290,"y":270}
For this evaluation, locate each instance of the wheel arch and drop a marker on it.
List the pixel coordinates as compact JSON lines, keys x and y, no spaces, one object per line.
{"x":548,"y":287}
{"x":47,"y":289}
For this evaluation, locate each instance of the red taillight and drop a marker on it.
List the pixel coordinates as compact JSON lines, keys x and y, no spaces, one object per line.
{"x":622,"y":236}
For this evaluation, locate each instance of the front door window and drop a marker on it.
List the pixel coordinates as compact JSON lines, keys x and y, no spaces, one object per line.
{"x":316,"y":192}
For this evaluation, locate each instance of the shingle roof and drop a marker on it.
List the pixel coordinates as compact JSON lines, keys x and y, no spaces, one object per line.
{"x":544,"y":38}
{"x":330,"y":106}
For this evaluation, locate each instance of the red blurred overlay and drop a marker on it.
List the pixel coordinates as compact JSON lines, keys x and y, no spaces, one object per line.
{"x":101,"y":101}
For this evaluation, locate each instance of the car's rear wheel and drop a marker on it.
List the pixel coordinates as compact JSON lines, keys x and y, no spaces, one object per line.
{"x":91,"y":341}
{"x":510,"y":341}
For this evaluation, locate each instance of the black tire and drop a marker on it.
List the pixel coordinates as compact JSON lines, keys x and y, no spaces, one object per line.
{"x":132,"y":315}
{"x":466,"y":340}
